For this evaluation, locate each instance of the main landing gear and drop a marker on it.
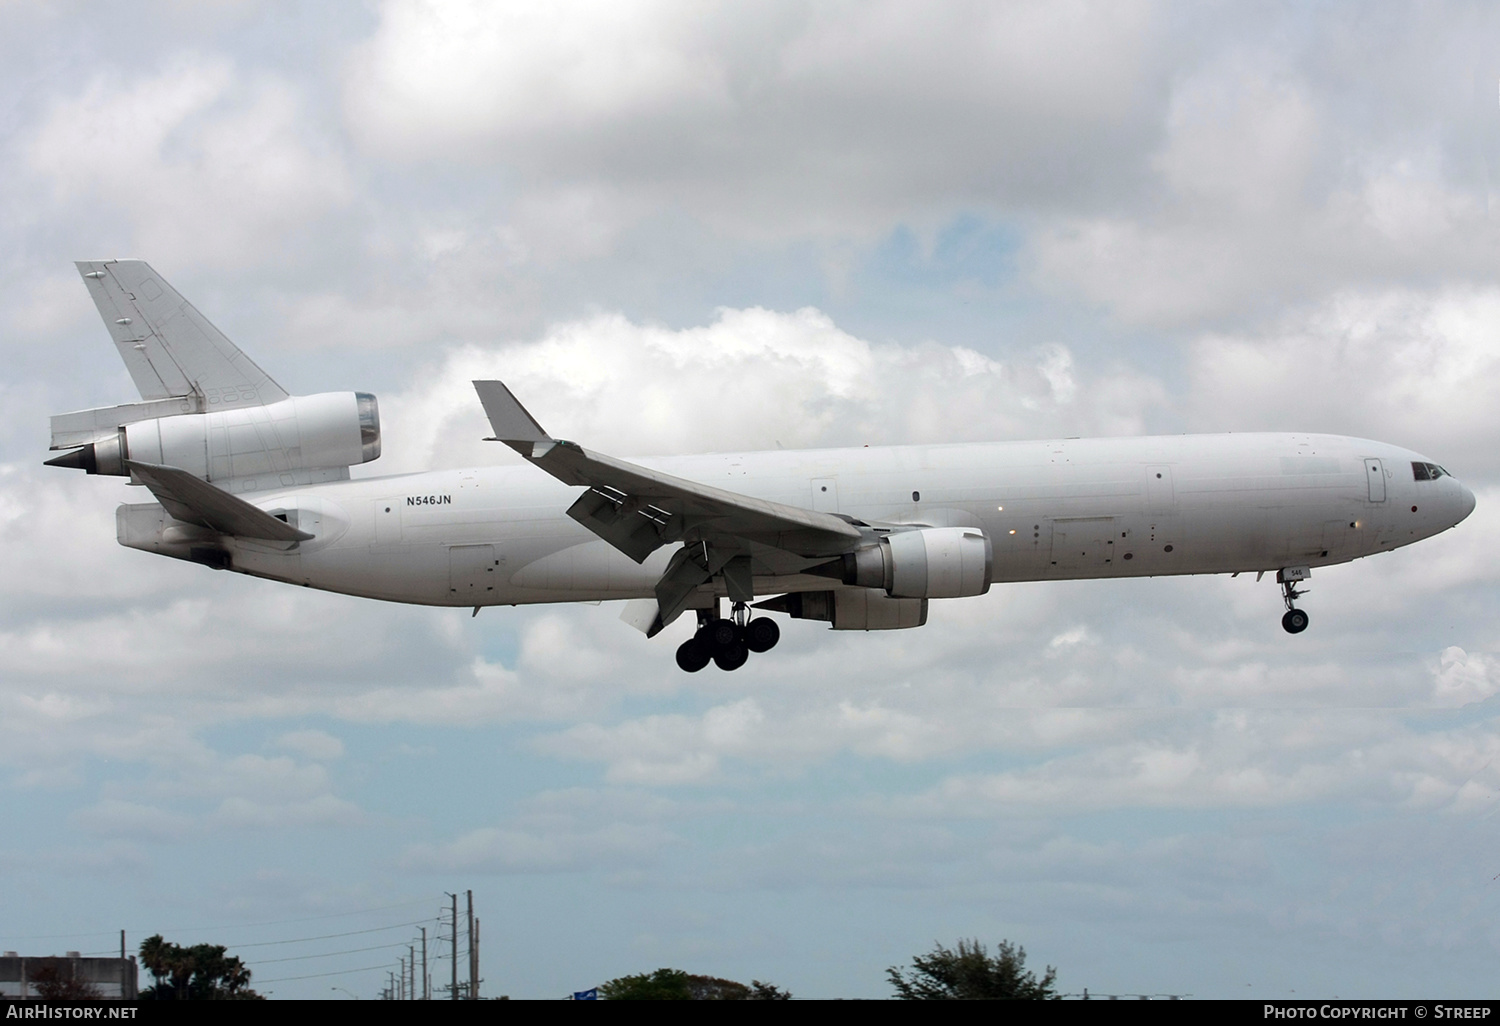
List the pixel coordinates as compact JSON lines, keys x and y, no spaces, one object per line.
{"x":1295,"y":620}
{"x":727,"y":643}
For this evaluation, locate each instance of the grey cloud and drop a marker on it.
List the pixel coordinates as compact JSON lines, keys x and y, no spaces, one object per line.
{"x":761,"y":118}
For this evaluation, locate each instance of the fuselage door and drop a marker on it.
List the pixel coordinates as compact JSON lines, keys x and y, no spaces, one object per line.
{"x":825,"y":494}
{"x":1375,"y":474}
{"x":1083,"y":544}
{"x":388,"y":521}
{"x":1160,"y":498}
{"x":471,"y":572}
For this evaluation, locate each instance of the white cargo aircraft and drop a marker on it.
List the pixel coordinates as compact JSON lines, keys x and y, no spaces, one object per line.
{"x":249,"y":478}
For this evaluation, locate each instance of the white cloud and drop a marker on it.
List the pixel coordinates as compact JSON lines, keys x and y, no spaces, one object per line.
{"x":1263,"y":199}
{"x":324,"y":810}
{"x":1462,"y":678}
{"x":560,"y":831}
{"x":116,"y":818}
{"x":204,"y":164}
{"x":759,"y":117}
{"x":317,"y":745}
{"x":1237,"y":758}
{"x":798,"y":380}
{"x":469,"y":71}
{"x":1413,"y":367}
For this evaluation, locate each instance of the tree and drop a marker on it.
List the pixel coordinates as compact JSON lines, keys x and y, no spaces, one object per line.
{"x":676,"y":985}
{"x":52,"y":985}
{"x":767,"y":992}
{"x":202,"y":972}
{"x":662,"y":985}
{"x":969,"y":973}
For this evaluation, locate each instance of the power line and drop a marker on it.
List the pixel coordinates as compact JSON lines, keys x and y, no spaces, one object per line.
{"x":328,"y":936}
{"x":236,"y":926}
{"x":328,"y":954}
{"x":314,"y":976}
{"x":304,"y":919}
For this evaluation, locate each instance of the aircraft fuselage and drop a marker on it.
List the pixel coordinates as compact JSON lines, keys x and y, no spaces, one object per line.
{"x":1068,"y":509}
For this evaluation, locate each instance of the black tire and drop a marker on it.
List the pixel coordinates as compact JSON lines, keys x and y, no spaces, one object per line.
{"x":731,"y":658}
{"x":721,"y":635}
{"x":1294,"y":622}
{"x":761,"y":634}
{"x":693,"y":654}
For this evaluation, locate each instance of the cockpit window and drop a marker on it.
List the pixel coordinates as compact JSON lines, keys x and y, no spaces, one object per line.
{"x":1427,"y":471}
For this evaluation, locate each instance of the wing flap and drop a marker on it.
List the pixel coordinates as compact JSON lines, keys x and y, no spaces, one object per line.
{"x":194,"y":501}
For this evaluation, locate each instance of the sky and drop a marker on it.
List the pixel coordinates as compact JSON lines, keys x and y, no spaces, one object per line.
{"x":688,"y":227}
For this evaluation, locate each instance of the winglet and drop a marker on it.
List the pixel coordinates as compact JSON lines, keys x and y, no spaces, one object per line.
{"x":512,"y":424}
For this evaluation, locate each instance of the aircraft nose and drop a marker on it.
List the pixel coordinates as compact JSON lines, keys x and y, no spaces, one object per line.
{"x":1465,"y":503}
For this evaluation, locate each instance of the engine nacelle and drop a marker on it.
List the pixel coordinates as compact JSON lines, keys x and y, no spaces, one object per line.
{"x":296,"y":441}
{"x":931,"y":562}
{"x":852,"y":609}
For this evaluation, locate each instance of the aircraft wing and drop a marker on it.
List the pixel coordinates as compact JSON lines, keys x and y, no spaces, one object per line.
{"x":194,"y":501}
{"x":638,"y":510}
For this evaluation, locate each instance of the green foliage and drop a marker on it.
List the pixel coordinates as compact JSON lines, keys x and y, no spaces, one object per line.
{"x":51,"y":985}
{"x":970,"y":973}
{"x":662,"y":985}
{"x":202,"y":972}
{"x":676,"y":985}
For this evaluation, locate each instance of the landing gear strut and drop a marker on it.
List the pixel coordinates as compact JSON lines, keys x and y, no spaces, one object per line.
{"x":1295,"y":620}
{"x":727,"y":643}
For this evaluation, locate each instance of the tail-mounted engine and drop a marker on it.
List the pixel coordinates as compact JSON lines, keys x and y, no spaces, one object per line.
{"x":299,"y":440}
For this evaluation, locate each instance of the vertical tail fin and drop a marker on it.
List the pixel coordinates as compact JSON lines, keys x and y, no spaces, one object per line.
{"x":169,"y":347}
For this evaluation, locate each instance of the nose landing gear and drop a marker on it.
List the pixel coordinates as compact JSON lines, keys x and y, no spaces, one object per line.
{"x":727,"y":643}
{"x":1295,"y":620}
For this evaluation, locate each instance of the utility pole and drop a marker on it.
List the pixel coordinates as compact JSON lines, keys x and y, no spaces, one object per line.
{"x":426,"y":980}
{"x":411,"y":994}
{"x":453,"y":991}
{"x":401,"y":984}
{"x":122,"y":945}
{"x":473,"y":954}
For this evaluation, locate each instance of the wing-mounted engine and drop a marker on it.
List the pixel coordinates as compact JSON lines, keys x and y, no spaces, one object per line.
{"x":851,"y":609}
{"x":300,"y":440}
{"x":929,"y":562}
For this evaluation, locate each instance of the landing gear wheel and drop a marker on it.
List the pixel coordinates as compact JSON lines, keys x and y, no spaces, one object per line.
{"x":761,"y":634}
{"x":694,"y":654}
{"x":731,"y":658}
{"x":1295,"y":620}
{"x":721,"y":635}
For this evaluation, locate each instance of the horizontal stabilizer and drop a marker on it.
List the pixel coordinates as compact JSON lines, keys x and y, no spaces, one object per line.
{"x":169,"y":347}
{"x":85,"y":426}
{"x":508,"y":417}
{"x":194,"y":501}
